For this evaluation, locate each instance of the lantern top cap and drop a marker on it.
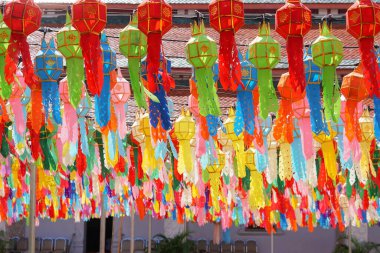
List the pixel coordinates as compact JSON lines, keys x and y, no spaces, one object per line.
{"x":43,"y":43}
{"x":197,"y":28}
{"x":365,"y":115}
{"x":103,"y":37}
{"x":231,"y":112}
{"x":1,"y":16}
{"x":68,"y":19}
{"x":264,"y":29}
{"x":51,"y":44}
{"x":325,"y":29}
{"x":293,"y":1}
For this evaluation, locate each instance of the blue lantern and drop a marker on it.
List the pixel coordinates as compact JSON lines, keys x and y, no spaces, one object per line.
{"x":158,"y":108}
{"x":313,"y":92}
{"x":49,"y":66}
{"x":245,"y":113}
{"x":103,"y":101}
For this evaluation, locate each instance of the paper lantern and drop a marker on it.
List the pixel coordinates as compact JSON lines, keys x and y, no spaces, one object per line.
{"x":184,"y":130}
{"x":119,"y":97}
{"x":68,"y":44}
{"x":327,"y":51}
{"x":368,"y":134}
{"x":23,"y":17}
{"x":363,"y":23}
{"x":49,"y":67}
{"x":214,"y":171}
{"x":154,"y":20}
{"x":103,"y":101}
{"x":245,"y":112}
{"x":256,"y":186}
{"x":293,"y":22}
{"x":283,"y":128}
{"x":313,"y":90}
{"x":136,"y":130}
{"x":227,"y":17}
{"x":201,"y":53}
{"x":264,"y":53}
{"x":5,"y":35}
{"x":354,"y":90}
{"x":90,"y":18}
{"x":328,"y":151}
{"x":133,"y":45}
{"x":237,"y":142}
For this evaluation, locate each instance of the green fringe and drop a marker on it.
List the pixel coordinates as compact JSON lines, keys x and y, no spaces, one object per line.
{"x":268,"y":97}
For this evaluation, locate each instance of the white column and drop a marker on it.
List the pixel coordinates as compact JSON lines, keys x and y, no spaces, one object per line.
{"x":149,"y":233}
{"x":132,"y":249}
{"x":102,"y":244}
{"x":32,"y":209}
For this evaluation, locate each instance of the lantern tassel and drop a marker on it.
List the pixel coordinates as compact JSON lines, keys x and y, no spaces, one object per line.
{"x":267,"y":93}
{"x":103,"y":103}
{"x":5,"y":88}
{"x":245,"y":113}
{"x":285,"y":162}
{"x":50,"y":97}
{"x":159,"y":112}
{"x":330,"y":92}
{"x":121,"y":119}
{"x":298,"y":160}
{"x":153,"y":60}
{"x":329,"y":158}
{"x":318,"y":123}
{"x":376,"y":105}
{"x":185,"y":161}
{"x":371,"y":69}
{"x":284,"y":126}
{"x":229,"y":63}
{"x":207,"y":97}
{"x":351,"y":124}
{"x":92,"y":55}
{"x":134,"y":66}
{"x":75,"y":77}
{"x":294,"y":47}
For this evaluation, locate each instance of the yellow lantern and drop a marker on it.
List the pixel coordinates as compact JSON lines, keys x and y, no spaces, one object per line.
{"x":184,"y":130}
{"x":237,"y":143}
{"x":328,"y":151}
{"x":149,"y":162}
{"x":215,"y":183}
{"x":368,"y":134}
{"x":256,"y":185}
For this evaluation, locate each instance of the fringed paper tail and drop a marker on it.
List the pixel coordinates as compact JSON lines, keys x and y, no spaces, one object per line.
{"x":92,"y":56}
{"x":268,"y":98}
{"x":5,"y":88}
{"x":75,"y":78}
{"x":103,"y":104}
{"x":229,"y":63}
{"x":134,"y":65}
{"x":370,"y":66}
{"x":317,"y":120}
{"x":294,"y":48}
{"x":245,"y":113}
{"x":153,"y":60}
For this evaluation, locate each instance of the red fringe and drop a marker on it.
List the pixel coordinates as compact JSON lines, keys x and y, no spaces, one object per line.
{"x":294,"y":47}
{"x":283,"y":127}
{"x":351,"y":123}
{"x":18,"y":44}
{"x":153,"y":59}
{"x":35,"y":121}
{"x":92,"y":56}
{"x":229,"y":63}
{"x":370,"y":66}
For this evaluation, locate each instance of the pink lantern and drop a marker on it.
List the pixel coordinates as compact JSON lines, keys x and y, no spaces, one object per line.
{"x":119,"y":97}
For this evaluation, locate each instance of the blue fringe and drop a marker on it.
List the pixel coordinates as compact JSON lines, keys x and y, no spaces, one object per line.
{"x":160,"y":110}
{"x":50,"y":97}
{"x":103,"y":103}
{"x":376,"y":103}
{"x":245,"y":113}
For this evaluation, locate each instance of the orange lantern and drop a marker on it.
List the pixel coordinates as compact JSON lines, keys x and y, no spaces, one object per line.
{"x":293,"y":21}
{"x":354,"y":90}
{"x":23,"y":17}
{"x":363,"y":23}
{"x":90,"y":18}
{"x":227,"y":17}
{"x":154,"y":20}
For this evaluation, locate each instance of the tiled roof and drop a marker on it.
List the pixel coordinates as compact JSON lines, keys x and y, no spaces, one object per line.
{"x":175,"y":41}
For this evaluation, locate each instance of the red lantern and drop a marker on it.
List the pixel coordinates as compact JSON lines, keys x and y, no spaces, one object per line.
{"x":154,"y":20}
{"x":354,"y":90}
{"x":23,"y":17}
{"x":293,"y":21}
{"x":90,"y":18}
{"x":227,"y":17}
{"x":363,"y":23}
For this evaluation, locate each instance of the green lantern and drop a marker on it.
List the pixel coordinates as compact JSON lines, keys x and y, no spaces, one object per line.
{"x":68,"y":39}
{"x":201,"y":53}
{"x":133,"y":45}
{"x":5,"y":34}
{"x":264,"y":53}
{"x":327,"y":52}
